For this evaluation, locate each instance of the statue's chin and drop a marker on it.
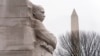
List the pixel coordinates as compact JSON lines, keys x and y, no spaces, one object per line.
{"x":41,"y":19}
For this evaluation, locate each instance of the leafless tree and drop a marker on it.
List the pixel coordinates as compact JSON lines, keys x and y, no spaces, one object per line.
{"x":89,"y":43}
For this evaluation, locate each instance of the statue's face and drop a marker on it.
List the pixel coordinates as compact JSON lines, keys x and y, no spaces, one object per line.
{"x":39,"y":14}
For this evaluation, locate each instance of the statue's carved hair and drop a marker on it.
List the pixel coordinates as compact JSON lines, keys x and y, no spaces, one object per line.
{"x":34,"y":7}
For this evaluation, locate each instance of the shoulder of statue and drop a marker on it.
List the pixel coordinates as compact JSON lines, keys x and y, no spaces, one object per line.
{"x":32,"y":22}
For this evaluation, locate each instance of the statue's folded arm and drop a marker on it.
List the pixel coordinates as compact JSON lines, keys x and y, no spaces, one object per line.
{"x":45,"y":35}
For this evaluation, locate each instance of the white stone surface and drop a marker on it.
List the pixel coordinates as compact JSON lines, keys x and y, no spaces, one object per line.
{"x":21,"y":36}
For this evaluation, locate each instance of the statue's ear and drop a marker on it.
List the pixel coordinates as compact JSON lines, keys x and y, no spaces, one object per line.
{"x":33,"y":14}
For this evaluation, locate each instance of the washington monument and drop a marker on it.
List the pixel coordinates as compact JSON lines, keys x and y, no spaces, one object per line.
{"x":75,"y":34}
{"x":74,"y":21}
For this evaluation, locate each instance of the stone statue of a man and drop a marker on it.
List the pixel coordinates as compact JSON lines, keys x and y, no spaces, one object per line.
{"x":45,"y":41}
{"x":21,"y":34}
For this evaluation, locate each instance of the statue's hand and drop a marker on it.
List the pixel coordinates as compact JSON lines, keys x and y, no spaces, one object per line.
{"x":50,"y":48}
{"x":47,"y":47}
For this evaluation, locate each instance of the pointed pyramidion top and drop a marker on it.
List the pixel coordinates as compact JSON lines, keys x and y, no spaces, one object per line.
{"x":74,"y":13}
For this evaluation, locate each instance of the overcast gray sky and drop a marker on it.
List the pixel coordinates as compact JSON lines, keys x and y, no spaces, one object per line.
{"x":58,"y":14}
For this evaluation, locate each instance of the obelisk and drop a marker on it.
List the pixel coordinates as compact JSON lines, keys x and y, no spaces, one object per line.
{"x":16,"y":36}
{"x":74,"y":21}
{"x":75,"y":34}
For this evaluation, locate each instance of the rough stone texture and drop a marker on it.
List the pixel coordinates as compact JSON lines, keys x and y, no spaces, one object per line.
{"x":20,"y":37}
{"x":12,"y":21}
{"x":13,"y":11}
{"x":16,"y":53}
{"x":13,"y":2}
{"x":16,"y":37}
